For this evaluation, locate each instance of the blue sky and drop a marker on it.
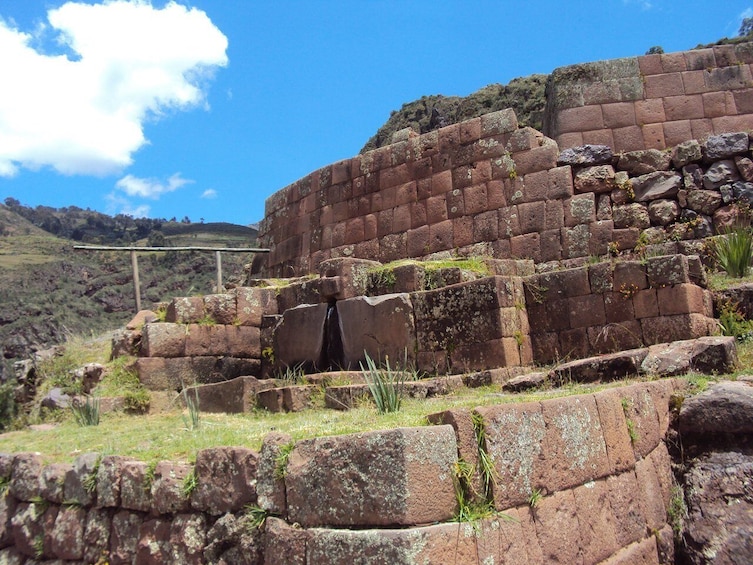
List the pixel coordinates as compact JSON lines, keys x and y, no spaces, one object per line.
{"x":204,"y":108}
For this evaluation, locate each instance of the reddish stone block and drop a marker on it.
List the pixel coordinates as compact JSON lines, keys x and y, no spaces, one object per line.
{"x":573,"y":445}
{"x":495,"y":195}
{"x":226,"y":479}
{"x":185,"y":310}
{"x":526,"y":246}
{"x":538,"y":159}
{"x":568,"y":140}
{"x":392,"y":247}
{"x":615,"y":430}
{"x":653,"y":136}
{"x":423,"y":188}
{"x":394,"y":176}
{"x":580,"y":209}
{"x":677,"y":132}
{"x":615,"y":337}
{"x":587,"y":311}
{"x":320,"y":471}
{"x":649,"y":111}
{"x":674,"y":328}
{"x":242,"y":341}
{"x":628,"y":138}
{"x":694,"y":82}
{"x":574,"y":344}
{"x":418,"y":241}
{"x":406,"y":193}
{"x":558,"y":315}
{"x":560,"y":182}
{"x":498,"y":123}
{"x":742,"y":100}
{"x":500,"y":352}
{"x":532,"y":216}
{"x":556,"y":521}
{"x":732,"y":123}
{"x":401,"y":218}
{"x":354,"y":231}
{"x":661,"y":86}
{"x":645,"y":304}
{"x":441,"y":183}
{"x":682,"y":298}
{"x":514,"y":190}
{"x":598,"y":137}
{"x":651,"y":499}
{"x":384,"y":222}
{"x":475,"y":199}
{"x":551,"y":245}
{"x":623,"y":496}
{"x":618,"y":114}
{"x":486,"y":226}
{"x":730,"y":78}
{"x":436,"y":209}
{"x":683,"y":107}
{"x":596,"y":522}
{"x":716,"y":104}
{"x":455,"y":203}
{"x":650,"y":65}
{"x":462,"y":177}
{"x":440,"y":236}
{"x":418,"y":214}
{"x":580,"y":119}
{"x":462,"y":231}
{"x":618,"y":307}
{"x":699,"y":59}
{"x":601,"y":237}
{"x":163,"y":340}
{"x":545,"y":347}
{"x":667,"y":270}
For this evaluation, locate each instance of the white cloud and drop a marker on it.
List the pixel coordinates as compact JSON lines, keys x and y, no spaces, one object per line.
{"x":209,"y":193}
{"x":128,"y":61}
{"x":116,"y":204}
{"x":150,"y":188}
{"x":642,"y":4}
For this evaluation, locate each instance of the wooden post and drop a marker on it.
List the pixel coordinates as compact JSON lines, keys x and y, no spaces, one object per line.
{"x":218,"y":255}
{"x":136,"y":284}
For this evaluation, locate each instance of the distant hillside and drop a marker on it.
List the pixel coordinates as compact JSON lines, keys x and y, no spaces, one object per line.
{"x":524,"y":95}
{"x":48,"y":290}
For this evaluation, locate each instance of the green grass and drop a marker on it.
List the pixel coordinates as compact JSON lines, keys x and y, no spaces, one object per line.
{"x":733,"y":251}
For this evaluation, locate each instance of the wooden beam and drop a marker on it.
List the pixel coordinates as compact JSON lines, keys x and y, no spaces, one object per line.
{"x":133,"y":248}
{"x":218,"y":255}
{"x":136,"y":284}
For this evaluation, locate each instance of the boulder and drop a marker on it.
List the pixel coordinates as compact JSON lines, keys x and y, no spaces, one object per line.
{"x":586,"y":155}
{"x":644,"y":161}
{"x":725,"y":145}
{"x":56,"y":399}
{"x":725,"y":408}
{"x":704,"y":201}
{"x":299,"y":336}
{"x":632,"y":215}
{"x":653,"y":186}
{"x":719,"y":500}
{"x":685,"y":153}
{"x":720,"y":173}
{"x":663,"y":212}
{"x":225,"y":479}
{"x":713,"y":354}
{"x":597,"y":178}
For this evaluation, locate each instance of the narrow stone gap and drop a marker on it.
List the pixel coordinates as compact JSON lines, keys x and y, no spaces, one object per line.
{"x":332,"y":356}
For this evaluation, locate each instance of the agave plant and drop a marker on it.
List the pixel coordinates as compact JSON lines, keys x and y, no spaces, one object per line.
{"x":734,"y":250}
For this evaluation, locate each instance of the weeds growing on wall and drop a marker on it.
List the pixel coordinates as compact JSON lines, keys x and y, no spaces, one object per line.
{"x":732,"y":322}
{"x":734,"y":251}
{"x":386,"y":385}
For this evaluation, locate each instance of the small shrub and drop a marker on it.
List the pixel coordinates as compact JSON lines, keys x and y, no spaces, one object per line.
{"x":386,"y":386}
{"x":256,"y":516}
{"x":734,"y":250}
{"x":281,"y":461}
{"x":86,"y":413}
{"x":732,"y":322}
{"x":190,"y":483}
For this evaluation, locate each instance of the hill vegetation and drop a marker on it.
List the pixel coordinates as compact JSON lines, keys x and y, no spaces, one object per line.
{"x":524,"y":95}
{"x":48,"y":291}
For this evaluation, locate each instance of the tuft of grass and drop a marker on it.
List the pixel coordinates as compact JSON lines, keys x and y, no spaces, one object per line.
{"x":291,"y":376}
{"x":386,"y":386}
{"x":281,"y":461}
{"x":193,"y":421}
{"x":190,"y":482}
{"x":86,"y":413}
{"x":732,"y":322}
{"x":535,"y":497}
{"x":734,"y":250}
{"x":256,"y":516}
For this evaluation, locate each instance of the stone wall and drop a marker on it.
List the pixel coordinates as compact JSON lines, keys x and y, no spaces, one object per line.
{"x":583,"y":478}
{"x":509,"y":193}
{"x":652,"y":101}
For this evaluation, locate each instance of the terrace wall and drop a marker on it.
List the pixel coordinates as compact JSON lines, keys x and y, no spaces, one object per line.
{"x":597,"y":463}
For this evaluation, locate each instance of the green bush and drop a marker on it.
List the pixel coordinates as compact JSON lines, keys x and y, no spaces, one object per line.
{"x":86,"y":413}
{"x":734,"y":250}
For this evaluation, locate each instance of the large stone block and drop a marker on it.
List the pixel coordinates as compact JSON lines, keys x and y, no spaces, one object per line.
{"x":252,"y":303}
{"x":163,"y":340}
{"x":402,"y":476}
{"x":381,"y":327}
{"x":202,"y":340}
{"x":185,"y":310}
{"x":234,"y":396}
{"x":514,"y":437}
{"x":573,"y":445}
{"x":464,"y":314}
{"x":299,"y":336}
{"x":440,"y":543}
{"x":615,"y":429}
{"x":225,"y":479}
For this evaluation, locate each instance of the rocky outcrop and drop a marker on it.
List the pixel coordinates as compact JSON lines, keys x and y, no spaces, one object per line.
{"x":716,"y":427}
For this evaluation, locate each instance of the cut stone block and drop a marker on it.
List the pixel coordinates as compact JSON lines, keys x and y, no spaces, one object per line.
{"x":402,"y":477}
{"x":225,"y":479}
{"x":253,"y":303}
{"x":381,"y":327}
{"x":299,"y":336}
{"x":185,"y":310}
{"x":163,"y":340}
{"x":237,"y":395}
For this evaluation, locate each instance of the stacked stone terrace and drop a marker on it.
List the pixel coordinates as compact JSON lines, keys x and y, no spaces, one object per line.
{"x":653,"y":101}
{"x":385,"y":497}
